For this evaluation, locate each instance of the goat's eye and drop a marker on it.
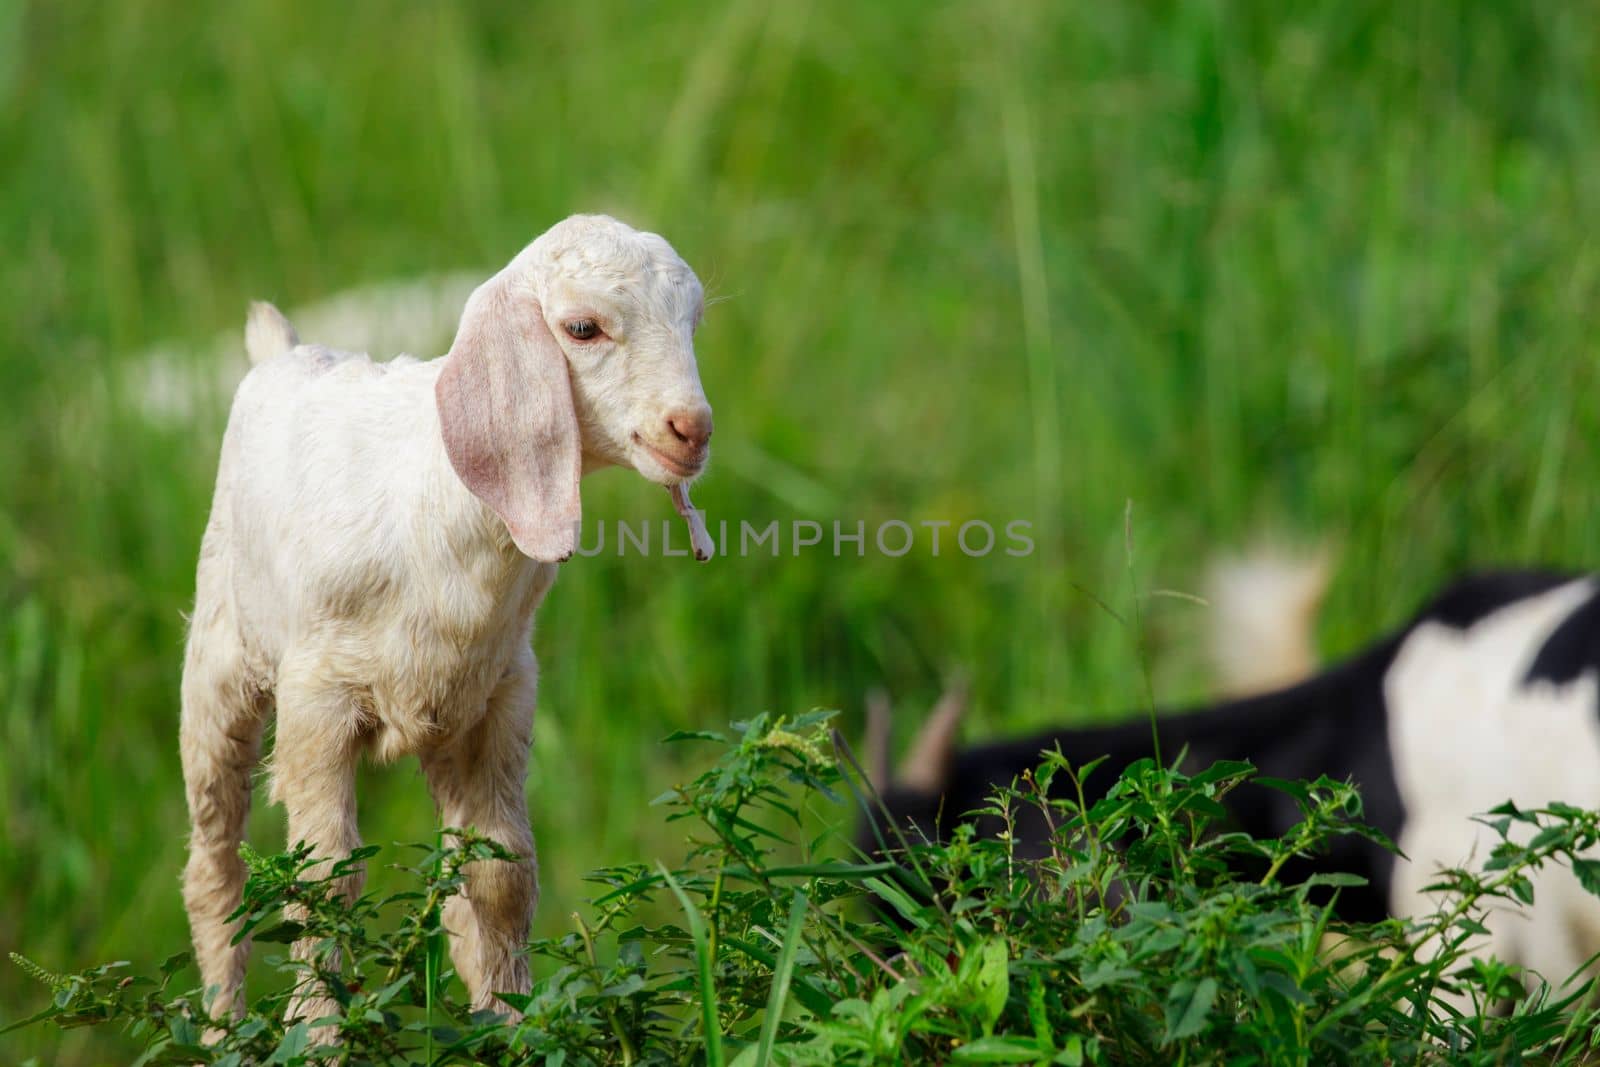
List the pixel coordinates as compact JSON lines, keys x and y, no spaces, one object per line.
{"x":583,"y":330}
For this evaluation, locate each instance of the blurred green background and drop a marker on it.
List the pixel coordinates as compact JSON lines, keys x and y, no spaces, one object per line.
{"x":1324,"y":268}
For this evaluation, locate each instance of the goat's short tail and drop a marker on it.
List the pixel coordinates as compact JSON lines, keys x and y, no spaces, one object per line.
{"x":1264,"y":616}
{"x":267,"y":334}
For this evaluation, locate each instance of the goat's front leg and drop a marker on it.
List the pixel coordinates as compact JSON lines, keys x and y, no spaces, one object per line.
{"x":313,"y":776}
{"x":478,"y":782}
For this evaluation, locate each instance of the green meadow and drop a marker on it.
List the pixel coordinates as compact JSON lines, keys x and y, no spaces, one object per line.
{"x":1154,"y":278}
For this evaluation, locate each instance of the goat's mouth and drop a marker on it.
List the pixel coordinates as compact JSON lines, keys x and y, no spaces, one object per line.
{"x":678,"y":467}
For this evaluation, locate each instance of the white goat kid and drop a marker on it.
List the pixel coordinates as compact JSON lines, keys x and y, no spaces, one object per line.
{"x":379,"y":539}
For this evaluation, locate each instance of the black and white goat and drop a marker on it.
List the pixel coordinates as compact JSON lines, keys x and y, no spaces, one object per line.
{"x":1489,"y":693}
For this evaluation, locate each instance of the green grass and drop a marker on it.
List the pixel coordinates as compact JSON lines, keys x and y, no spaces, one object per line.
{"x":1326,"y":270}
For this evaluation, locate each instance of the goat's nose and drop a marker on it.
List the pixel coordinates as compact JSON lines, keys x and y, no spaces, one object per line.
{"x":691,"y":426}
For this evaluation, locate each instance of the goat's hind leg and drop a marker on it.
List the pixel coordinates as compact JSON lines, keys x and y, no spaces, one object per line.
{"x":219,"y":743}
{"x":313,"y":776}
{"x":478,"y":782}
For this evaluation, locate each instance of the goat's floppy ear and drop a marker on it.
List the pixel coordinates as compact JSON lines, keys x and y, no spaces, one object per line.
{"x":926,"y":767}
{"x":876,"y":747}
{"x":505,"y":407}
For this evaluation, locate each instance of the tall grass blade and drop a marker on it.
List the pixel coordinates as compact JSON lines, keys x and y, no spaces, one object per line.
{"x":702,"y":952}
{"x":780,"y":979}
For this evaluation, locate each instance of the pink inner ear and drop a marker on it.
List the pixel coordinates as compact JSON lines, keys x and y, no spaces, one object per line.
{"x":505,"y":409}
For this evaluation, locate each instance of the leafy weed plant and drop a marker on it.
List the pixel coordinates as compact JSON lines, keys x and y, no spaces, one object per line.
{"x":1136,"y":939}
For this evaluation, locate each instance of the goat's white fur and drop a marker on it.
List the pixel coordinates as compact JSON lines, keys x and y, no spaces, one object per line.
{"x":350,"y":582}
{"x":1467,"y":733}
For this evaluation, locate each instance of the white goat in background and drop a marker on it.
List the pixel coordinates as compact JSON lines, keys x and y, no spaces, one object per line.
{"x":1491,"y":691}
{"x":177,"y":384}
{"x":380,"y":537}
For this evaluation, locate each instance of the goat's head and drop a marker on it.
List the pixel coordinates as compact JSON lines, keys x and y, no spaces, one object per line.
{"x":578,"y":355}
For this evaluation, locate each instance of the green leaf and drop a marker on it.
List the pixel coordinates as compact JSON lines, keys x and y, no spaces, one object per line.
{"x":1188,"y":1008}
{"x":390,"y":991}
{"x":844,"y":871}
{"x":693,"y":735}
{"x":1204,"y":805}
{"x":908,"y":909}
{"x":175,"y":963}
{"x":1588,"y":872}
{"x":993,"y":981}
{"x":1546,"y":837}
{"x":1223,"y":769}
{"x":293,"y":1044}
{"x":1298,"y":790}
{"x":1087,"y":769}
{"x":1285,"y":986}
{"x":163,"y":1054}
{"x":36,"y":1017}
{"x":183,"y":1030}
{"x":649,"y":881}
{"x":1107,"y":973}
{"x":1071,"y":1054}
{"x":1000,"y":1050}
{"x":1352,"y":805}
{"x":1334,"y":878}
